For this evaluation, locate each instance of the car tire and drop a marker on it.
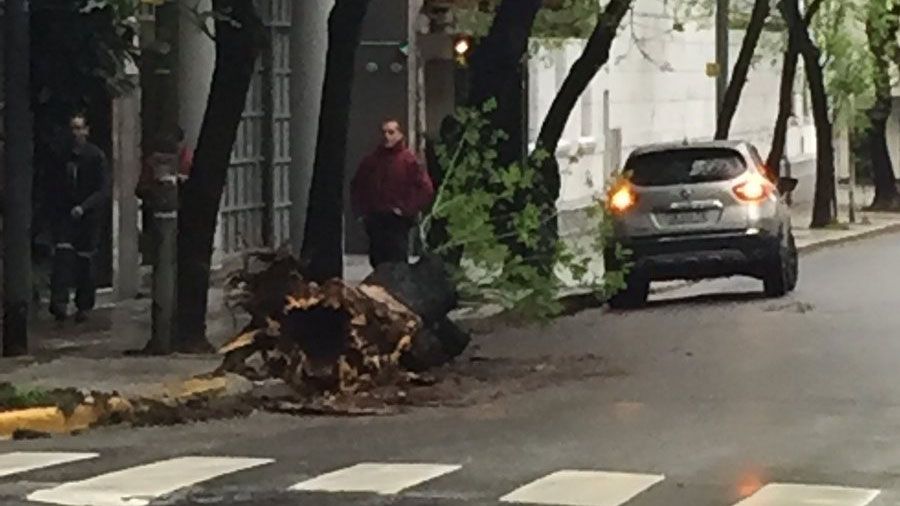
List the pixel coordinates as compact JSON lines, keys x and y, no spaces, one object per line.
{"x":782,"y":272}
{"x":635,"y":293}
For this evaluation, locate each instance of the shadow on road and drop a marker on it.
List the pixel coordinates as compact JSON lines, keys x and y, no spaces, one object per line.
{"x":707,"y":299}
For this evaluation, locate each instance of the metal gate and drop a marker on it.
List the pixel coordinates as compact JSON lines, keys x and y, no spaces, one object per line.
{"x":255,"y":207}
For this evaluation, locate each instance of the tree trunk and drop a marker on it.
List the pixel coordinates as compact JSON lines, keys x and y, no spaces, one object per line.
{"x":824,"y":200}
{"x":496,"y":73}
{"x":758,"y":18}
{"x":883,"y":45}
{"x":583,"y":71}
{"x":238,"y":41}
{"x":323,"y":246}
{"x":786,"y":94}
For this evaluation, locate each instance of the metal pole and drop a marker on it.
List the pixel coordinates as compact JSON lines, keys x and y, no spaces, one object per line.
{"x":165,"y":271}
{"x":722,"y":9}
{"x":851,"y":169}
{"x":19,"y":173}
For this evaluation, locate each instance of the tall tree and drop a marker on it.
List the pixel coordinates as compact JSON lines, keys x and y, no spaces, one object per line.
{"x":497,"y":72}
{"x":741,"y":69}
{"x":239,"y":36}
{"x":824,"y":205}
{"x":882,"y":25}
{"x":786,"y":92}
{"x":593,"y":58}
{"x":323,"y":248}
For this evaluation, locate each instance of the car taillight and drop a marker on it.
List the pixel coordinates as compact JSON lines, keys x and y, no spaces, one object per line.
{"x":755,"y":189}
{"x":622,"y":199}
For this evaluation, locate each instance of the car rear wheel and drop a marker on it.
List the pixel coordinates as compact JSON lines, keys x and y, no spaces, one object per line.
{"x":635,"y":293}
{"x":783,"y":270}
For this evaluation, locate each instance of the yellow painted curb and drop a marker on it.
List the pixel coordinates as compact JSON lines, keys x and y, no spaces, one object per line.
{"x":48,"y":420}
{"x":52,"y":420}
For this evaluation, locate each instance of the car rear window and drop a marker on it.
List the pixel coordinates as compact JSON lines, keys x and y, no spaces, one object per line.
{"x":685,"y":166}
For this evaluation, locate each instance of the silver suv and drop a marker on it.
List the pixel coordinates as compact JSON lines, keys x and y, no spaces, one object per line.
{"x":701,"y":210}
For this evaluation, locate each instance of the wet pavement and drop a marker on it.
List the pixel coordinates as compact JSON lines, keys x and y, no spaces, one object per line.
{"x":720,"y":393}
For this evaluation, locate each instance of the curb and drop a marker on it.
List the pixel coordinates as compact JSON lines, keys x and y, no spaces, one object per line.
{"x":868,"y":234}
{"x":52,"y":420}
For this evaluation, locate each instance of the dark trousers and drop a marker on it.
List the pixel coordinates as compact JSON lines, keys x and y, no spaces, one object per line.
{"x":73,"y":267}
{"x":388,"y":238}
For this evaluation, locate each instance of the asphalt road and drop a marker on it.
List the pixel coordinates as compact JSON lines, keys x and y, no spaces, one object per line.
{"x":721,"y":393}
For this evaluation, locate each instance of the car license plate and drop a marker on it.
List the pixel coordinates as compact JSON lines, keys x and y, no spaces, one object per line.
{"x":686,"y":218}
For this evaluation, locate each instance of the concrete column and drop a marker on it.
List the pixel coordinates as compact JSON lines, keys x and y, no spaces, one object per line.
{"x":416,"y":75}
{"x":309,"y":43}
{"x":126,"y":169}
{"x":196,"y":63}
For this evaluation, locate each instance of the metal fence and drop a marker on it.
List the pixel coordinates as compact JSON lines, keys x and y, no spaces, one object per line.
{"x":255,"y":205}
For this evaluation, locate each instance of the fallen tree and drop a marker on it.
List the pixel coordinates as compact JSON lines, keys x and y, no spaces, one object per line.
{"x":334,"y":337}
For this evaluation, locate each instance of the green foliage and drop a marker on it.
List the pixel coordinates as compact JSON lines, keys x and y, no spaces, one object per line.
{"x":13,"y":397}
{"x":474,"y":186}
{"x":561,"y":20}
{"x":83,"y":44}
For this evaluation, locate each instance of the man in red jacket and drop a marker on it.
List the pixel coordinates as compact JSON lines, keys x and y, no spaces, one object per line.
{"x":390,"y":188}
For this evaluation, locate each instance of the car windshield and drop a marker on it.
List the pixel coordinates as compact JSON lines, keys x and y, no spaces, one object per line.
{"x":685,"y":166}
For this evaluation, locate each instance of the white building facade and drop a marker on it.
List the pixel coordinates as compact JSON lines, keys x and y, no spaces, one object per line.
{"x":655,"y":89}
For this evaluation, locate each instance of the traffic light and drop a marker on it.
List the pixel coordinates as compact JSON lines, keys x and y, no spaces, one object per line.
{"x":462,"y":48}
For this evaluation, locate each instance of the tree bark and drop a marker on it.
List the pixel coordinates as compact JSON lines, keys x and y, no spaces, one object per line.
{"x":496,"y":73}
{"x":583,"y":71}
{"x":883,"y":44}
{"x":823,"y":203}
{"x":497,"y":64}
{"x":239,"y":37}
{"x":593,"y":58}
{"x":786,"y":93}
{"x":323,"y":246}
{"x":741,"y":69}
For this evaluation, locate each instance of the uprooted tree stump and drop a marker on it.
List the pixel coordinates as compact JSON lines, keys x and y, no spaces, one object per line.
{"x":335,"y":337}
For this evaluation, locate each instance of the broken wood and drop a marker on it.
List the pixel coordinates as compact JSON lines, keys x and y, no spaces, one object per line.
{"x":333,"y":337}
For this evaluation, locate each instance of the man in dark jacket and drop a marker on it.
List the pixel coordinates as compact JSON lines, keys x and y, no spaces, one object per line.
{"x":389,"y":190}
{"x":79,"y":187}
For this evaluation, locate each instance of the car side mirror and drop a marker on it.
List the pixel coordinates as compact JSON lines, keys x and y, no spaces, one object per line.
{"x":787,"y":184}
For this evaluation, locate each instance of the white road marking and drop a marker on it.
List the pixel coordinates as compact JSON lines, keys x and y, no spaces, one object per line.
{"x":138,"y":486}
{"x":20,"y":462}
{"x":584,"y":488}
{"x":783,"y":494}
{"x":383,"y":479}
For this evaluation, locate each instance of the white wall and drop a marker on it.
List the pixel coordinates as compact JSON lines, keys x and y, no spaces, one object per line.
{"x":659,"y":91}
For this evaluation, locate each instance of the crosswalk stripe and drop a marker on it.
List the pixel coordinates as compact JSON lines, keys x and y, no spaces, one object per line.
{"x":583,"y":488}
{"x":785,"y":494}
{"x":137,"y":486}
{"x":20,"y":462}
{"x":383,"y":479}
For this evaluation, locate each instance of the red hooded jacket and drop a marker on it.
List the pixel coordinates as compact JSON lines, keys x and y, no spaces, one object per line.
{"x":388,"y":179}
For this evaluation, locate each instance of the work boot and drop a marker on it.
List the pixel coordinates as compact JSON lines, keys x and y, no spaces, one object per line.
{"x":81,"y":317}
